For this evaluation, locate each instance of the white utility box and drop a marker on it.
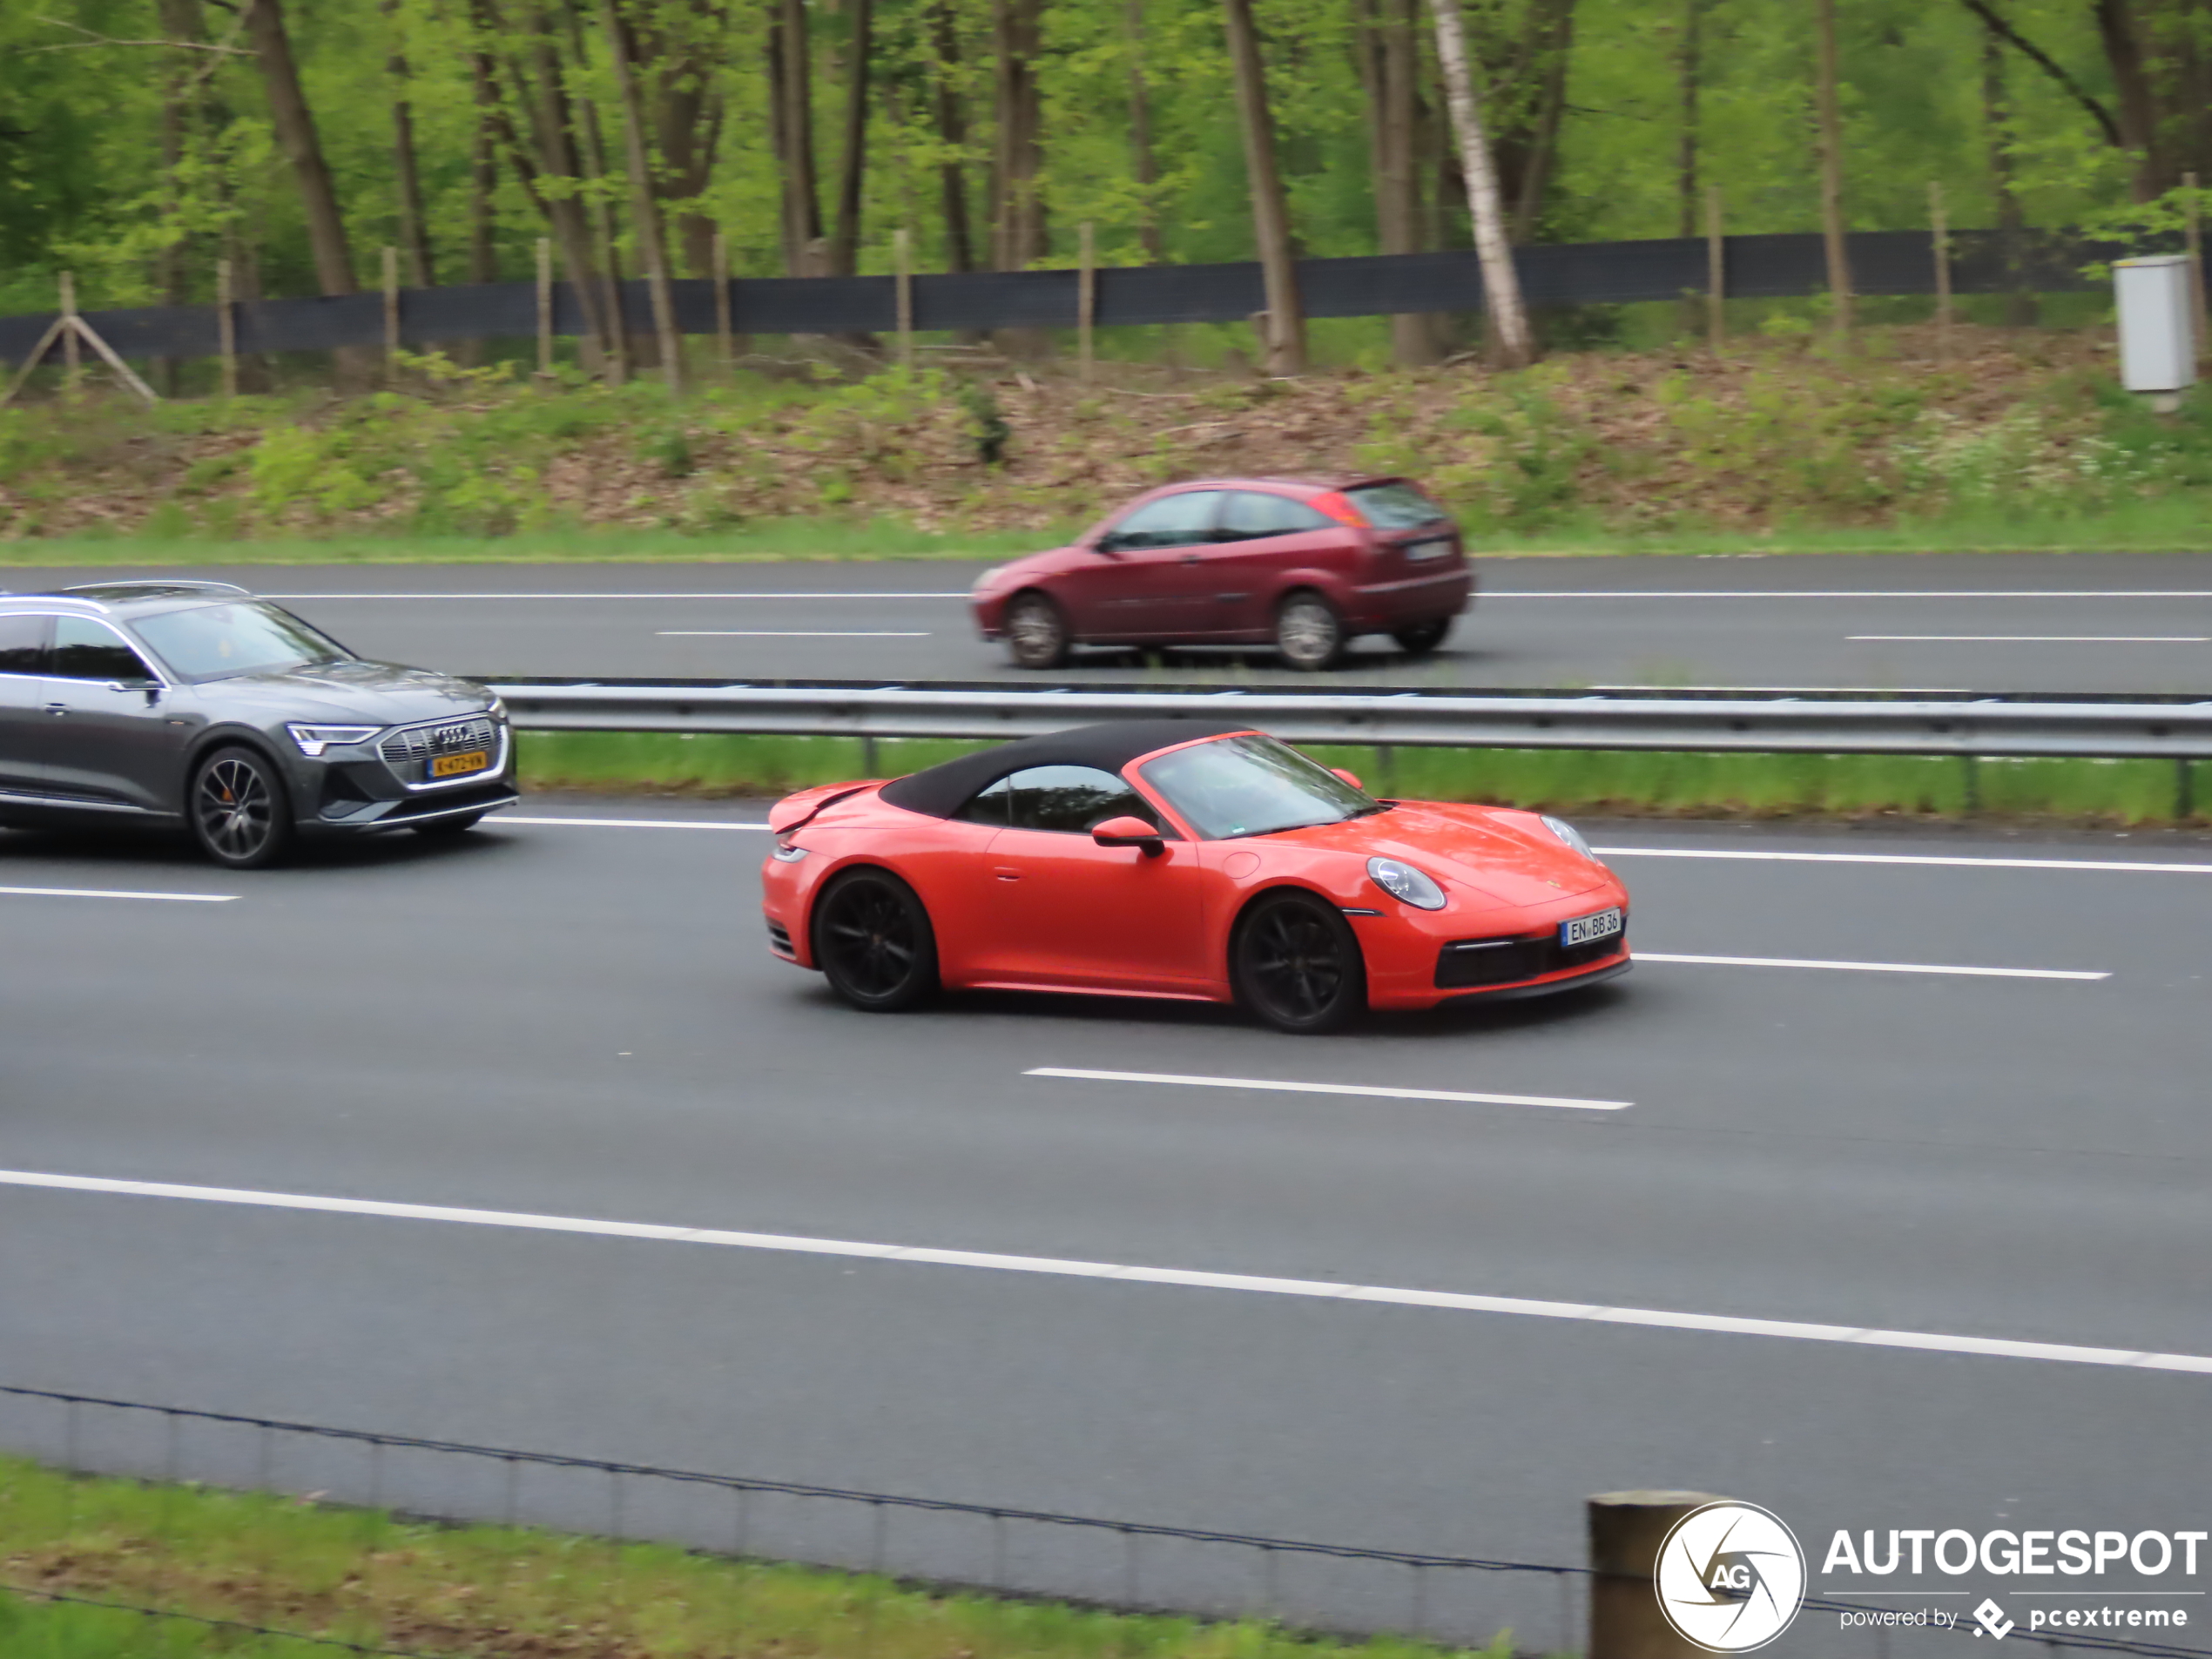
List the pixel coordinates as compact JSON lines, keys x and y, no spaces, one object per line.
{"x":2157,"y":328}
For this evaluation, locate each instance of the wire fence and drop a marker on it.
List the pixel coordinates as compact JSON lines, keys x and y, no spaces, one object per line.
{"x":1125,"y":1566}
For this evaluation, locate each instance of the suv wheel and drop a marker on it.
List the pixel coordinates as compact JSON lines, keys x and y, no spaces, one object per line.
{"x":240,"y":814}
{"x":1308,"y":632}
{"x":1036,"y":634}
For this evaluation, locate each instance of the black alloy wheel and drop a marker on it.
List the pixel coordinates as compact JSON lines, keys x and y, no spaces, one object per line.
{"x":459,"y":824}
{"x":873,"y":941}
{"x":1308,"y":632}
{"x":240,"y":814}
{"x":1036,"y":632}
{"x":1297,"y":966}
{"x":1423,"y":637}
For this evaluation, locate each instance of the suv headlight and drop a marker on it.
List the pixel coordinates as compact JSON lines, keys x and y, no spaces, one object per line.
{"x":313,"y":740}
{"x":1568,"y":834}
{"x":1402,"y":882}
{"x":498,"y":708}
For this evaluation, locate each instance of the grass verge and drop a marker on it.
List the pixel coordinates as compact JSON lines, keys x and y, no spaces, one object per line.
{"x":365,"y":1577}
{"x":1614,"y":782}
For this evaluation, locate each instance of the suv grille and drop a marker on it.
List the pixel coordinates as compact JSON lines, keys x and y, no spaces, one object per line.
{"x":409,"y":750}
{"x":1466,"y":962}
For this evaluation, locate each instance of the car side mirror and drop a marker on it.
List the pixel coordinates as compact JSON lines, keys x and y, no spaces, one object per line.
{"x":1349,"y":776}
{"x":152,"y":688}
{"x":1128,"y":831}
{"x":1107,"y":547}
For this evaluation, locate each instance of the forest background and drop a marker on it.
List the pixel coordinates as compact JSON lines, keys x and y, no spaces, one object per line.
{"x":142,"y":142}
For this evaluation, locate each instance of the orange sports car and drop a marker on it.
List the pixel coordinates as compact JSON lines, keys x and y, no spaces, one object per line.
{"x":1177,"y":859}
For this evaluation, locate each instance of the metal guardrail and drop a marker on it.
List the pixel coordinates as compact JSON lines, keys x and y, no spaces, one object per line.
{"x":1856,"y":723}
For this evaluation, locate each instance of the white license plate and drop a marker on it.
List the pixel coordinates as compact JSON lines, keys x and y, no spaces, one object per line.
{"x":1416,"y":551}
{"x":1584,"y":930}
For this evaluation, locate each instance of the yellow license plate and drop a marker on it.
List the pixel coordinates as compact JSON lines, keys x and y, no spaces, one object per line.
{"x":454,"y":766}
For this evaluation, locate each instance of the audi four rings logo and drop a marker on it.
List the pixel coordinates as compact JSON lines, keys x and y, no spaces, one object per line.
{"x":1730,"y":1577}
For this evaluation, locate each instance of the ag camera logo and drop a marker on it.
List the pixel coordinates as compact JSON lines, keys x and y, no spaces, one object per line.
{"x":1730,"y":1577}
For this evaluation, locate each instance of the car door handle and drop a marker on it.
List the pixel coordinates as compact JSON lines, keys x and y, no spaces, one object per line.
{"x":1192,"y":558}
{"x":57,"y":708}
{"x":1006,"y":872}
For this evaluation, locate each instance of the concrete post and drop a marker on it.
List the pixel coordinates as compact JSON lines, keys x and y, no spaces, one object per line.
{"x":1626,"y":1531}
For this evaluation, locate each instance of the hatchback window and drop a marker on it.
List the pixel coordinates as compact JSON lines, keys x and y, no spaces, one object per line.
{"x":1394,"y":507}
{"x":23,"y":645}
{"x":1172,"y":521}
{"x":221,"y":642}
{"x":1071,"y":800}
{"x":85,"y":650}
{"x":1251,"y":514}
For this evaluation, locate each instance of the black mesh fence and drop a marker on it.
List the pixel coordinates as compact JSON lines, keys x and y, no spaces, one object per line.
{"x":1883,"y":262}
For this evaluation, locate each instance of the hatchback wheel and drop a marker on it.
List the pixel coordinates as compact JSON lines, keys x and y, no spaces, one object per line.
{"x":240,"y":814}
{"x":1308,"y":632}
{"x":873,"y":943}
{"x":1297,"y":966}
{"x":1423,"y":637}
{"x":1036,"y":632}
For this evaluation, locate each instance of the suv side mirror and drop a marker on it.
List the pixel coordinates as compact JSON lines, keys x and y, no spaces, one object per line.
{"x":1129,"y":831}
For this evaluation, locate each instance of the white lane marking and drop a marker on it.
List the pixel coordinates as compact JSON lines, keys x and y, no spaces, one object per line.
{"x":854,"y":593}
{"x":111,"y":892}
{"x":1856,"y":593}
{"x":2042,"y":639}
{"x":1319,"y":1289}
{"x":1367,"y":1090}
{"x":1871,"y":967}
{"x":784,"y":633}
{"x":629,"y":823}
{"x":1901,"y":858}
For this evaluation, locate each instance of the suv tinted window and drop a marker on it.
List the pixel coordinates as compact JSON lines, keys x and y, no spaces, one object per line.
{"x":1394,"y":507}
{"x":1071,"y":799}
{"x":23,"y":645}
{"x":1251,"y":514}
{"x":1172,"y":521}
{"x":85,"y":650}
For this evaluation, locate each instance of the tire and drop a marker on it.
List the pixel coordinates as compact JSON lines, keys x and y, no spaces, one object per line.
{"x":443,"y":828}
{"x":1295,"y":965}
{"x":1308,"y":634}
{"x":240,"y":811}
{"x":1036,"y":631}
{"x":1423,"y":637}
{"x":873,"y":943}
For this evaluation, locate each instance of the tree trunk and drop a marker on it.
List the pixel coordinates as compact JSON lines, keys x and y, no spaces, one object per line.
{"x":1553,"y":57}
{"x":1143,"y":164}
{"x":792,"y":69}
{"x":483,"y":178}
{"x":295,"y":132}
{"x":180,"y":20}
{"x":844,"y":241}
{"x":2162,"y":71}
{"x":1017,"y":212}
{"x":1270,"y":212}
{"x":1688,"y":67}
{"x":1831,"y":125}
{"x":2021,"y":306}
{"x":645,"y":207}
{"x":414,"y":233}
{"x":952,"y":132}
{"x":686,"y":110}
{"x":625,"y":351}
{"x":1389,"y":61}
{"x":1517,"y":345}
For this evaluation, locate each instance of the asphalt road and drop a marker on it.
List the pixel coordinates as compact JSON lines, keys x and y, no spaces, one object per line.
{"x":2080,"y":622}
{"x":582,"y":1020}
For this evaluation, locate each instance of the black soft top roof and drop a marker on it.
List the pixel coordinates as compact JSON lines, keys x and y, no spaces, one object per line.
{"x":941,"y":790}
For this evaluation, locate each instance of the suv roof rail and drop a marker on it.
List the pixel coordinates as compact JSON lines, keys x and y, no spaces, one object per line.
{"x":156,"y":584}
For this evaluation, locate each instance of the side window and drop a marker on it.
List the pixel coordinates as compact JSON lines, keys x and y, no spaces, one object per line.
{"x":23,"y":645}
{"x":1251,"y":514}
{"x":85,"y":650}
{"x":1071,"y":799}
{"x":1172,"y":521}
{"x":990,"y":806}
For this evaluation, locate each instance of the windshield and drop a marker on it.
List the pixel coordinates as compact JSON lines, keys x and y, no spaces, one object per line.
{"x":220,"y":642}
{"x":1253,"y":785}
{"x":1394,"y":506}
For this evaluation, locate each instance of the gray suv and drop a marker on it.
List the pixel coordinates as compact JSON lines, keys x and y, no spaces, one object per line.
{"x":194,"y":702}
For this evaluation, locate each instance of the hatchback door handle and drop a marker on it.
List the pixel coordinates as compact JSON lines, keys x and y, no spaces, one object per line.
{"x":1192,"y":558}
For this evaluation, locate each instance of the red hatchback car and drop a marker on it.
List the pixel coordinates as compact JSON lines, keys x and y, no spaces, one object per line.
{"x":1306,"y":565}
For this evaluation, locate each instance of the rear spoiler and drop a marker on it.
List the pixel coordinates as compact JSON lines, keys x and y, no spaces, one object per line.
{"x":793,"y":811}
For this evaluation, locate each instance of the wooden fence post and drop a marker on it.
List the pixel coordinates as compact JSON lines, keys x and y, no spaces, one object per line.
{"x":72,"y":365}
{"x":724,"y":345}
{"x":226,"y":326}
{"x":544,"y":305}
{"x":391,"y":311}
{"x":903,"y":266}
{"x":1715,"y":272}
{"x":2192,"y":229}
{"x":1940,"y":225}
{"x":1087,"y":301}
{"x":1626,"y":1530}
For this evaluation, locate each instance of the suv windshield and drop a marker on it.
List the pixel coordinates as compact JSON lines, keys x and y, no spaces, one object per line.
{"x":221,"y":642}
{"x":1253,"y":785}
{"x":1394,"y":507}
